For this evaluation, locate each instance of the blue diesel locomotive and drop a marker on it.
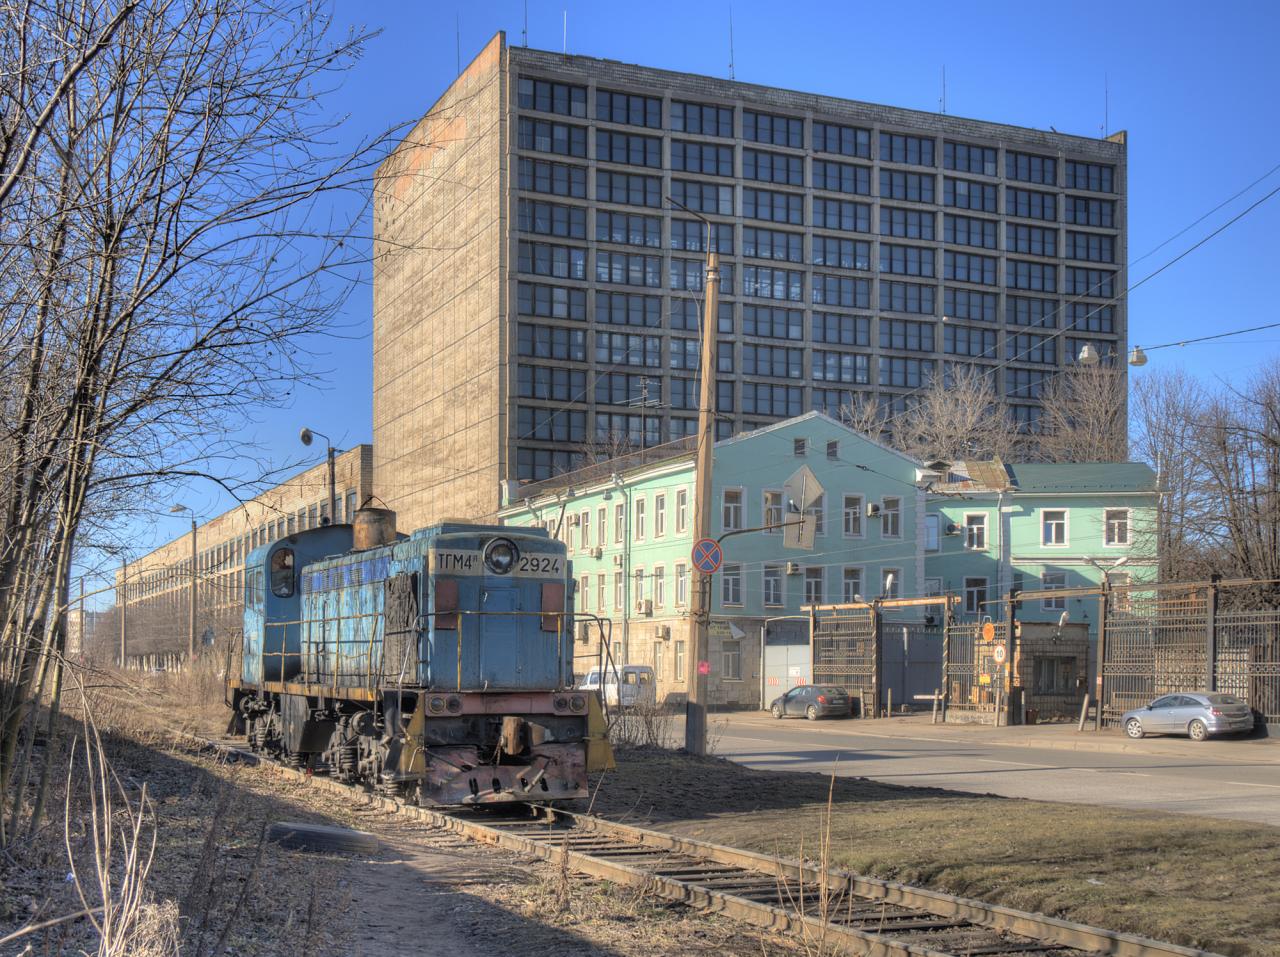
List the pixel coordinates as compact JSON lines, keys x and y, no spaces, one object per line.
{"x":437,"y":665}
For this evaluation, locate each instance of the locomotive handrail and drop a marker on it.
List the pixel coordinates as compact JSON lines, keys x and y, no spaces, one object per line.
{"x":308,"y":644}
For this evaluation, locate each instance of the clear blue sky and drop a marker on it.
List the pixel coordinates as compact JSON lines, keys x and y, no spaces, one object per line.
{"x":1195,"y":85}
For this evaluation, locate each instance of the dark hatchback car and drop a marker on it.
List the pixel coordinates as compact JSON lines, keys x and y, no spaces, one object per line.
{"x":812,"y":702}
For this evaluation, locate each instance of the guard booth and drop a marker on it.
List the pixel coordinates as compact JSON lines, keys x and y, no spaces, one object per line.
{"x":881,"y":652}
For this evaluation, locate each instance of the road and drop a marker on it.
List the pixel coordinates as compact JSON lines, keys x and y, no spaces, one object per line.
{"x":1224,"y":786}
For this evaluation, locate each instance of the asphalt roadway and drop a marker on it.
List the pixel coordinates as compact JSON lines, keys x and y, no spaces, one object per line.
{"x":1232,"y":779}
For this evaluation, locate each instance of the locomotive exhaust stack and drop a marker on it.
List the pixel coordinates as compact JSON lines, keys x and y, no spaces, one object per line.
{"x":372,"y":527}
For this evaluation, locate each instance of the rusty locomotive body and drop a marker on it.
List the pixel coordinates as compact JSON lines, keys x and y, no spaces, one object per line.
{"x":437,"y":665}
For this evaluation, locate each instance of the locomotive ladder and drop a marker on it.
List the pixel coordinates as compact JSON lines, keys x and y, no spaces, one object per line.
{"x":833,"y":909}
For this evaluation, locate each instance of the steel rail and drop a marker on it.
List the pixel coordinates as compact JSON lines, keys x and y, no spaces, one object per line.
{"x":862,"y":915}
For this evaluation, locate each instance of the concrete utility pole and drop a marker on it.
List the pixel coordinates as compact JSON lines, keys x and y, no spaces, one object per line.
{"x":695,"y":727}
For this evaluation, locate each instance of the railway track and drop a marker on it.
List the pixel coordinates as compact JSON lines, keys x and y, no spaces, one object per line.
{"x":838,"y":911}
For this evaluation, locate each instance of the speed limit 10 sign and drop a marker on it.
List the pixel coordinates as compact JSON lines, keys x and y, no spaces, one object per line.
{"x":999,"y":654}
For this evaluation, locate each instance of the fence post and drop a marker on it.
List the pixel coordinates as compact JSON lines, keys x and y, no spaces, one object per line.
{"x":877,"y":662}
{"x":947,"y":625}
{"x":1104,"y":599}
{"x":1014,"y":702}
{"x":1211,"y":634}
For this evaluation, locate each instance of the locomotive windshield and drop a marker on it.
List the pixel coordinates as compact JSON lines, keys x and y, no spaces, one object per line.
{"x":282,"y":573}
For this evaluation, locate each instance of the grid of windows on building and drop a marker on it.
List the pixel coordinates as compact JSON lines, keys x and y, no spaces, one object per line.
{"x":810,"y":243}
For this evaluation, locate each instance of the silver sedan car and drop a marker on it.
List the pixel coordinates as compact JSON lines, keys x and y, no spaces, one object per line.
{"x":1196,"y":714}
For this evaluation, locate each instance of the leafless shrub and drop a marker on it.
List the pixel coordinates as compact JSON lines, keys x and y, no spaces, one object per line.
{"x":644,"y":725}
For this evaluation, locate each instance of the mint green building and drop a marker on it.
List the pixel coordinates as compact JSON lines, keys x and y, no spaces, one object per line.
{"x":993,"y":526}
{"x":887,"y":526}
{"x":628,"y":525}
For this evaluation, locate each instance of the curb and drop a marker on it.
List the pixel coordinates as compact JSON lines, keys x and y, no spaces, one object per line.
{"x":1265,"y":750}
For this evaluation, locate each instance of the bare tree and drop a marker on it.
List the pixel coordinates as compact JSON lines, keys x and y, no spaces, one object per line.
{"x":1166,"y":408}
{"x":1083,"y":418}
{"x":160,"y":267}
{"x":958,"y":416}
{"x":865,"y":415}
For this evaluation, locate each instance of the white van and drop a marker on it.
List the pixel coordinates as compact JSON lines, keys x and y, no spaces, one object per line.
{"x":637,"y":686}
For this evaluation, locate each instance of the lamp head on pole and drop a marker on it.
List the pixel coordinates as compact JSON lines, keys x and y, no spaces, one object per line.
{"x":1088,"y":355}
{"x":178,"y":508}
{"x":306,"y":436}
{"x":1137,"y":357}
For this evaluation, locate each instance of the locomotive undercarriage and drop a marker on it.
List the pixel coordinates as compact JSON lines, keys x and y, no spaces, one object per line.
{"x":473,"y":752}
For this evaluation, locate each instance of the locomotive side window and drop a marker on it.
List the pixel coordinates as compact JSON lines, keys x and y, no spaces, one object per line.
{"x":253,"y":589}
{"x":282,"y":573}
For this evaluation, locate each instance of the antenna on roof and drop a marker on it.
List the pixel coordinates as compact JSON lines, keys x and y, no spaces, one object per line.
{"x":564,"y":47}
{"x":942,"y":103}
{"x":1106,"y":105}
{"x":731,"y":76}
{"x":524,"y":34}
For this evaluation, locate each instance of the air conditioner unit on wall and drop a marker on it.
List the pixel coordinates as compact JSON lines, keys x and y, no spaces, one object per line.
{"x":663,"y":632}
{"x":597,"y":552}
{"x":575,"y":519}
{"x":872,"y":510}
{"x":645,"y":607}
{"x":617,"y":559}
{"x":953,"y":528}
{"x":793,"y":568}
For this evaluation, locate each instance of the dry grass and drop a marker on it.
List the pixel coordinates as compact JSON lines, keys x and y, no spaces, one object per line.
{"x":1194,"y":881}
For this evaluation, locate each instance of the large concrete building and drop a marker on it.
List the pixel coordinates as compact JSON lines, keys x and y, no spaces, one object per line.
{"x":534,"y":290}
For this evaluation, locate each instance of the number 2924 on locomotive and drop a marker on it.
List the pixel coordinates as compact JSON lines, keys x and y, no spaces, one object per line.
{"x":437,"y":665}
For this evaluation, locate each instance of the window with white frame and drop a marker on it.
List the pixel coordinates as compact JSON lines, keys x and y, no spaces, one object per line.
{"x":772,"y":575}
{"x":819,"y":511}
{"x":731,"y":657}
{"x":932,"y":523}
{"x":682,"y":583}
{"x":1052,"y":581}
{"x":657,"y":660}
{"x":813,"y":585}
{"x":1116,"y":521}
{"x":659,"y":516}
{"x":975,"y":595}
{"x":637,"y":587}
{"x":600,"y":592}
{"x":682,"y":510}
{"x":851,"y":584}
{"x":620,"y":523}
{"x":584,"y":529}
{"x":891,"y":517}
{"x":731,"y":513}
{"x":618,"y":590}
{"x":933,"y":586}
{"x":679,"y":661}
{"x":584,"y":589}
{"x":975,"y":531}
{"x":891,"y":582}
{"x":659,"y":586}
{"x":637,"y":521}
{"x":853,"y":516}
{"x":1053,"y":527}
{"x":731,"y":584}
{"x":602,"y":519}
{"x":772,"y":511}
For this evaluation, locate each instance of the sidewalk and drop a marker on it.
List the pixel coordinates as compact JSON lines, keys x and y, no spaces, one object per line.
{"x":1064,"y":737}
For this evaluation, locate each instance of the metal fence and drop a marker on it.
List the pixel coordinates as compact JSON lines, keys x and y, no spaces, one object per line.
{"x":846,"y":652}
{"x":972,"y":679}
{"x":1169,"y":638}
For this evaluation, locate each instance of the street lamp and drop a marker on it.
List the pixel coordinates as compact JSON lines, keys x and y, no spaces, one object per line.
{"x":1108,"y":569}
{"x":307,"y":436}
{"x":1088,"y":355}
{"x":191,"y":611}
{"x":1137,"y":357}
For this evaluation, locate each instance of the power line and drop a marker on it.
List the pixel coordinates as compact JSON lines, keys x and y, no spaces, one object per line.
{"x":1220,"y":335}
